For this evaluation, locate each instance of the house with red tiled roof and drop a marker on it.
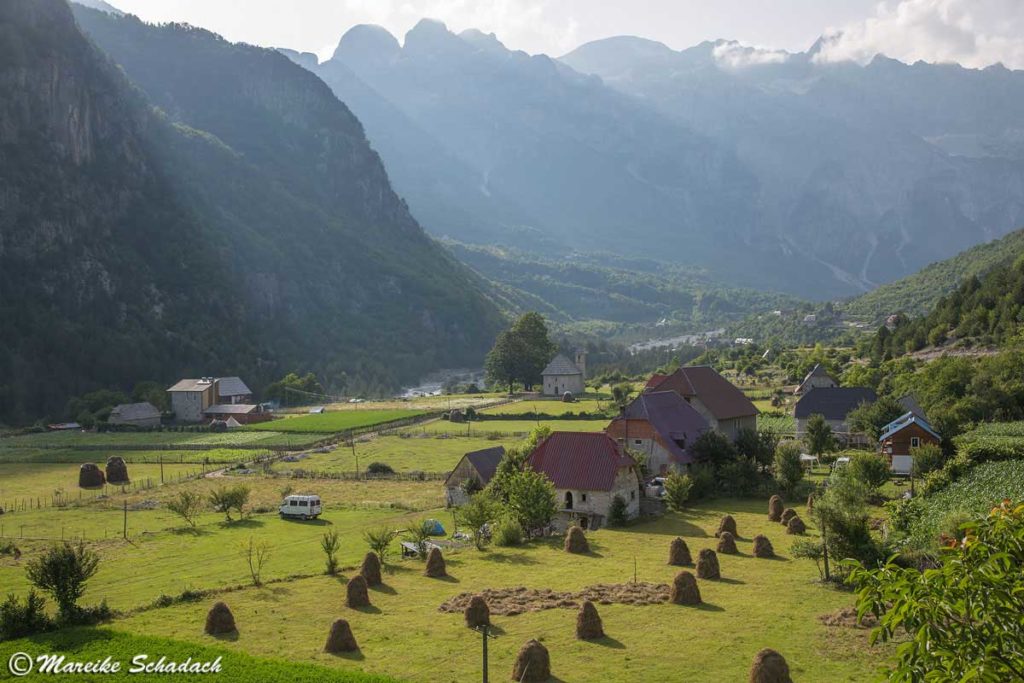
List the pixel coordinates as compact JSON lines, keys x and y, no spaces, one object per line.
{"x":719,"y":401}
{"x":589,"y":470}
{"x":662,"y":426}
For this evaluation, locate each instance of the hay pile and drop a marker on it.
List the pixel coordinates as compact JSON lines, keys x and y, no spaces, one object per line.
{"x":356,"y":593}
{"x":707,"y":565}
{"x":340,"y":639}
{"x":514,"y":601}
{"x":220,"y":620}
{"x":477,"y":613}
{"x":775,"y":509}
{"x":796,"y":527}
{"x":533,"y":663}
{"x":90,"y":476}
{"x":435,"y":564}
{"x":728,"y":524}
{"x":117,"y":470}
{"x":787,"y":514}
{"x":588,"y":622}
{"x":370,"y":571}
{"x":763,"y":547}
{"x":847,"y":617}
{"x":769,"y":667}
{"x":727,"y":543}
{"x":685,"y":590}
{"x":679,"y":553}
{"x":576,"y":541}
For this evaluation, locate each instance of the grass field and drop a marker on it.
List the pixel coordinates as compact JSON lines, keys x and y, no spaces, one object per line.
{"x":144,"y":440}
{"x":333,"y":422}
{"x":505,"y":427}
{"x":43,"y":481}
{"x":551,"y":407}
{"x":71,"y":455}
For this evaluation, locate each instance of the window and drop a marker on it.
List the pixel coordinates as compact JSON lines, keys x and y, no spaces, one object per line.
{"x":583,"y":498}
{"x":638,"y":442}
{"x":293,"y":503}
{"x":632,"y":495}
{"x":303,"y":503}
{"x":915,"y":441}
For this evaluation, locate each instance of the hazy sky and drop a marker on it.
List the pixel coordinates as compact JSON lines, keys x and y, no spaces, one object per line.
{"x":972,"y":32}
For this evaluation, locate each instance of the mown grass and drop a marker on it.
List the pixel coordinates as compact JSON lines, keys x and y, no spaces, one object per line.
{"x":95,"y":644}
{"x":71,"y":455}
{"x":333,"y":422}
{"x":483,"y":428}
{"x":51,"y":482}
{"x":550,"y":407}
{"x":144,"y":440}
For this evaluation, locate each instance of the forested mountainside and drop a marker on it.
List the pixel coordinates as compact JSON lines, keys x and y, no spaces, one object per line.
{"x":243,"y":226}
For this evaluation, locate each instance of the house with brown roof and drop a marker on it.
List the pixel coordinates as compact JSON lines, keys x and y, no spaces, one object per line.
{"x":662,"y":426}
{"x":719,"y":401}
{"x":589,"y":470}
{"x":192,"y":399}
{"x":473,"y":472}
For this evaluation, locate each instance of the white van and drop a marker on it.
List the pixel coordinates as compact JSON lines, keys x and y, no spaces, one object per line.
{"x":303,"y":507}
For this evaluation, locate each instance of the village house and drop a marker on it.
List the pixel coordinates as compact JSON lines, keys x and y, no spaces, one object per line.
{"x":473,"y":472}
{"x":722,"y":404}
{"x":233,"y":390}
{"x":663,"y":427}
{"x":901,"y":436}
{"x":242,"y":413}
{"x":141,"y":415}
{"x":817,"y":378}
{"x":192,"y":400}
{"x":563,"y":376}
{"x":589,"y":471}
{"x":833,"y":404}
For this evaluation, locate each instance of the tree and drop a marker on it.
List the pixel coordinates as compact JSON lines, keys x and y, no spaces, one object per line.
{"x":510,"y":465}
{"x":759,"y":445}
{"x":520,"y":353}
{"x":617,"y":512}
{"x":62,"y":571}
{"x":712,"y":447}
{"x":789,"y":471}
{"x":187,"y":505}
{"x":963,"y":618}
{"x":841,"y":512}
{"x":621,"y":393}
{"x":418,"y":534}
{"x":256,"y":554}
{"x":870,"y":418}
{"x":531,"y":500}
{"x":478,"y":512}
{"x":927,"y":458}
{"x":294,"y":389}
{"x":330,"y":542}
{"x":677,"y":491}
{"x":225,"y":499}
{"x":380,"y":541}
{"x":870,"y":469}
{"x":504,"y":362}
{"x":819,"y":436}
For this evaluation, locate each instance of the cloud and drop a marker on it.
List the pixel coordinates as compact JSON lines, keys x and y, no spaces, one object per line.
{"x":732,"y":55}
{"x":974,"y":33}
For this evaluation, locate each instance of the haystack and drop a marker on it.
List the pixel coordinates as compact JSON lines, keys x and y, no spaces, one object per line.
{"x":763,"y":547}
{"x":117,"y":470}
{"x":90,"y":476}
{"x":769,"y":667}
{"x":435,"y":564}
{"x":685,"y":590}
{"x":727,"y":524}
{"x":775,"y":509}
{"x":796,"y":527}
{"x":588,"y":622}
{"x":220,"y":620}
{"x":477,"y":612}
{"x":707,"y":565}
{"x":371,"y":570}
{"x":340,"y":639}
{"x":679,"y":553}
{"x":727,"y":543}
{"x":456,"y":416}
{"x":576,"y":541}
{"x":533,"y":663}
{"x":787,"y":514}
{"x":356,"y":593}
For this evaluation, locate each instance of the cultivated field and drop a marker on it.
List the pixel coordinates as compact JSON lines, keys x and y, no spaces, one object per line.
{"x":484,"y":428}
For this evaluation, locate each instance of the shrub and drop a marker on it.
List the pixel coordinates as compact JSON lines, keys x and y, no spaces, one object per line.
{"x":870,"y":469}
{"x":418,"y":533}
{"x":330,"y":542}
{"x":18,"y":619}
{"x":225,"y":499}
{"x":702,"y":478}
{"x":187,"y":505}
{"x":63,"y":571}
{"x":738,"y":477}
{"x":617,"y":513}
{"x":508,"y":533}
{"x":789,"y":471}
{"x":927,"y":458}
{"x":806,"y":549}
{"x":379,"y":468}
{"x":819,"y":435}
{"x":677,"y":490}
{"x":479,"y":511}
{"x":531,"y":499}
{"x":380,"y":541}
{"x":714,"y":448}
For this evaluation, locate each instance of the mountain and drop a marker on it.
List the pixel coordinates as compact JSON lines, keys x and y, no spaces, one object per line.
{"x":870,"y":171}
{"x":221,"y":212}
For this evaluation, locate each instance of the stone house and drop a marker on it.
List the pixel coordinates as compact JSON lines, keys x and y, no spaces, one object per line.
{"x":191,"y":399}
{"x":719,"y":401}
{"x":478,"y":466}
{"x":563,"y":375}
{"x":142,"y":415}
{"x":588,"y":470}
{"x":662,"y":426}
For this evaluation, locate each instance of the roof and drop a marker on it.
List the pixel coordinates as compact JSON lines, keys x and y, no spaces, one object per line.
{"x":192,"y":385}
{"x":671,"y":417}
{"x":561,"y":365}
{"x":654,"y":381}
{"x":484,"y":461}
{"x":135,"y":411}
{"x":904,"y":421}
{"x":584,"y":461}
{"x":816,"y":371}
{"x":231,"y":409}
{"x":833,"y":403}
{"x":232,"y":386}
{"x":722,"y":397}
{"x":910,"y":404}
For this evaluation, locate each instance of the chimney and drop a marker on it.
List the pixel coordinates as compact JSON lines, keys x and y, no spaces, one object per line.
{"x":581,"y":362}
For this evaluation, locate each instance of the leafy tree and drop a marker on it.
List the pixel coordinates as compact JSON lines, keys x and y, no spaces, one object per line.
{"x":62,"y":571}
{"x":870,"y":469}
{"x":963,"y":619}
{"x":186,"y":505}
{"x":789,"y":471}
{"x":714,"y":448}
{"x":225,"y":499}
{"x":153,"y":393}
{"x":819,"y":436}
{"x":510,"y":465}
{"x":520,"y":353}
{"x":479,"y":511}
{"x":531,"y":500}
{"x":505,"y":361}
{"x":677,"y":491}
{"x":380,"y":541}
{"x":759,"y":444}
{"x":870,"y":418}
{"x":927,"y":458}
{"x":292,"y":389}
{"x":418,"y":534}
{"x":842,"y":514}
{"x":621,"y":394}
{"x":330,"y":543}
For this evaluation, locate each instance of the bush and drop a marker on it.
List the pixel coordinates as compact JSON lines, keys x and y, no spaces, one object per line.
{"x":508,"y":533}
{"x":927,"y":458}
{"x":225,"y":499}
{"x":677,"y":490}
{"x":63,"y":571}
{"x":739,"y":477}
{"x":18,"y":619}
{"x":617,"y":515}
{"x":870,"y":469}
{"x":703,"y":481}
{"x":789,"y":471}
{"x":379,"y":468}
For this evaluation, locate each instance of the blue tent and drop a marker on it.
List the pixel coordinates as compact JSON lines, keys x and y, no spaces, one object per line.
{"x":436,"y":529}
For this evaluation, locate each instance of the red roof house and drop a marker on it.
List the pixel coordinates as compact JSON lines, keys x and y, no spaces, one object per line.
{"x":723,"y":405}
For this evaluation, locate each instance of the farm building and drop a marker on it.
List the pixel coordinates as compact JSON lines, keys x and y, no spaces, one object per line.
{"x":191,"y":398}
{"x":661,"y":425}
{"x":588,"y":470}
{"x":233,"y":390}
{"x":817,"y":378}
{"x":722,"y":404}
{"x":902,"y":435}
{"x":563,"y":376}
{"x":476,"y":466}
{"x":142,"y":415}
{"x":243,"y":413}
{"x":834,"y":404}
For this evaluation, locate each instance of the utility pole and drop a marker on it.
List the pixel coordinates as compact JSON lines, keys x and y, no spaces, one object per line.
{"x":824,"y":547}
{"x":486,"y":633}
{"x":352,"y":443}
{"x":124,"y":532}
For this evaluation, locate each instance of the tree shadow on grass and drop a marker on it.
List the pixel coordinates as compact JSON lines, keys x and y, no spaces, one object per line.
{"x":243,"y":524}
{"x":307,"y":522}
{"x":506,"y":558}
{"x":191,"y":531}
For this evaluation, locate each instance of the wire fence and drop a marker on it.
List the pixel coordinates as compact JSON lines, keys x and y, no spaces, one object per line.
{"x":60,"y":499}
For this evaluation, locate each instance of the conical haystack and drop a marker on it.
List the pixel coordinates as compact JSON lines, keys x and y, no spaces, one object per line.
{"x":576,"y":541}
{"x":727,"y":543}
{"x":435,"y":564}
{"x":787,"y":514}
{"x":588,"y":622}
{"x":90,"y":476}
{"x":796,"y":527}
{"x":356,"y":593}
{"x":728,"y":523}
{"x":371,"y":570}
{"x":679,"y":553}
{"x":769,"y":667}
{"x":220,"y":620}
{"x":477,"y":612}
{"x":117,"y":470}
{"x":707,"y":565}
{"x":533,"y":663}
{"x":775,"y":507}
{"x":340,"y":639}
{"x":685,"y":590}
{"x":763,"y":547}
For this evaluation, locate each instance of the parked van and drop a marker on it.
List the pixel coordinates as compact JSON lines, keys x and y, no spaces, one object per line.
{"x":303,"y":507}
